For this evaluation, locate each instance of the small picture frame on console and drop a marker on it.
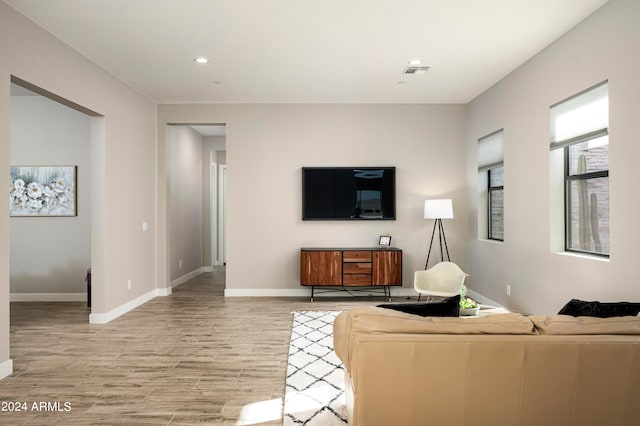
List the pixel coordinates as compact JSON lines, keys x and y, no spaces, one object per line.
{"x":385,"y":241}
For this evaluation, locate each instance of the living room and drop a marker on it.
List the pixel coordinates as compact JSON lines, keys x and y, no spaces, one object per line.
{"x":434,"y":149}
{"x":432,"y":145}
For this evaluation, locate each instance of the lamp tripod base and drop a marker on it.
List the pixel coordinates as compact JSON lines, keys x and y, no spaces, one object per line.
{"x":442,"y":238}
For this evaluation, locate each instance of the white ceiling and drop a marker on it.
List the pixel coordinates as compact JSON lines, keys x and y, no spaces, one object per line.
{"x":308,"y":51}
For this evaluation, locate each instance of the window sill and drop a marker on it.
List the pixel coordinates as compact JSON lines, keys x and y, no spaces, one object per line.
{"x":583,"y":256}
{"x":486,"y":240}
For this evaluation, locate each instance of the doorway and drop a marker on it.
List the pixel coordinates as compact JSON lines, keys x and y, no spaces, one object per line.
{"x":196,"y":155}
{"x":222,"y":216}
{"x":51,"y":239}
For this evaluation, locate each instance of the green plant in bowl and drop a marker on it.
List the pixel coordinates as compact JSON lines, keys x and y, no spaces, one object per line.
{"x":468,"y":306}
{"x":468,"y":303}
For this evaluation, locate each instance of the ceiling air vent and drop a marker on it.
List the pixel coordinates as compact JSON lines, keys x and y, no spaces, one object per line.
{"x":416,"y":69}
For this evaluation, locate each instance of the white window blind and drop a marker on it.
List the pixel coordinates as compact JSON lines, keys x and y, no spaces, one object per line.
{"x":582,"y":117}
{"x":490,"y":151}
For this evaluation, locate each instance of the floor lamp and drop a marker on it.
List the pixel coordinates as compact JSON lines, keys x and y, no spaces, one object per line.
{"x":438,"y":210}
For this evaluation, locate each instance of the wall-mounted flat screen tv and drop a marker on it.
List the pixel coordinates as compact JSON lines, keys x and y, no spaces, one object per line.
{"x":348,"y":193}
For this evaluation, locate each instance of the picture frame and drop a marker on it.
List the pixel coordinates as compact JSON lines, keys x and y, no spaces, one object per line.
{"x":384,"y":241}
{"x":37,"y":191}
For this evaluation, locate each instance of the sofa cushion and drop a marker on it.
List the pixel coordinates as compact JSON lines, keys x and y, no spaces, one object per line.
{"x":579,"y":308}
{"x":377,"y":320}
{"x":449,"y":307}
{"x":569,"y":325}
{"x":365,"y":320}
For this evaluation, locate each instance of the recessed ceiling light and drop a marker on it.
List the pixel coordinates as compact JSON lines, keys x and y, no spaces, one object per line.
{"x":416,"y":69}
{"x":415,"y":62}
{"x":201,"y":60}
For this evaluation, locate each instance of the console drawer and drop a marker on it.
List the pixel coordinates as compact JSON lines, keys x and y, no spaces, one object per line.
{"x":356,"y":268}
{"x":356,"y":256}
{"x":356,"y":279}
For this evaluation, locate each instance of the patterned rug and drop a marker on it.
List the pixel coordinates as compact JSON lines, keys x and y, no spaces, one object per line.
{"x":314,"y":389}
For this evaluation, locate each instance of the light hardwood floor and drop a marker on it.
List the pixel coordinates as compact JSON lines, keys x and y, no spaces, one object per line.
{"x":194,"y":357}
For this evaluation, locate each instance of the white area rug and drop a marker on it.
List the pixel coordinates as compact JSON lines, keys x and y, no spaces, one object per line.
{"x":314,"y":393}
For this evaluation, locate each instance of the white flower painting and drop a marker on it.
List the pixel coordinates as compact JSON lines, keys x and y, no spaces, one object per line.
{"x":42,"y":191}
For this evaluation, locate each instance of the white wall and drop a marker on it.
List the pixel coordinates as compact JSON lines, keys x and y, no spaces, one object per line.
{"x":186,"y":200}
{"x":123,"y":164}
{"x":268,"y":144}
{"x":51,"y":254}
{"x":605,"y":46}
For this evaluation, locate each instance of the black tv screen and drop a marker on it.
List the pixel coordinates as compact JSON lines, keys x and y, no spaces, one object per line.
{"x":348,"y":193}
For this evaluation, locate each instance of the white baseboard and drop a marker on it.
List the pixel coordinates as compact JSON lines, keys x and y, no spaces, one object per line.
{"x":122,"y":309}
{"x":306,"y":292}
{"x":183,"y":279}
{"x":164,"y":291}
{"x":266,"y":292}
{"x":48,"y":297}
{"x":6,"y":368}
{"x":258,"y":292}
{"x":483,"y":300}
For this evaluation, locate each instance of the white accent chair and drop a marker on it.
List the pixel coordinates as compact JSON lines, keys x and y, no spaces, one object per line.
{"x":444,"y":279}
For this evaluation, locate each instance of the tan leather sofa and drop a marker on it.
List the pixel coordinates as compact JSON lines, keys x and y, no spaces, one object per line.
{"x":504,"y":369}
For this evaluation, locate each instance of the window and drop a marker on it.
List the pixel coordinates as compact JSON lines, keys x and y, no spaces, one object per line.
{"x":496,"y":203}
{"x":580,"y":129}
{"x":491,"y":171}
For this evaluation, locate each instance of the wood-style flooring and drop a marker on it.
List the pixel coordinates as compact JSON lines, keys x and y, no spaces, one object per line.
{"x":194,"y":357}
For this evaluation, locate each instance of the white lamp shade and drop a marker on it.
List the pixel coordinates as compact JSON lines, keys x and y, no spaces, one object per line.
{"x":438,"y":209}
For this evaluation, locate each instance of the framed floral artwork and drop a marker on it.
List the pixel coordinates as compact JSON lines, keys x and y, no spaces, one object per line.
{"x":43,"y":191}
